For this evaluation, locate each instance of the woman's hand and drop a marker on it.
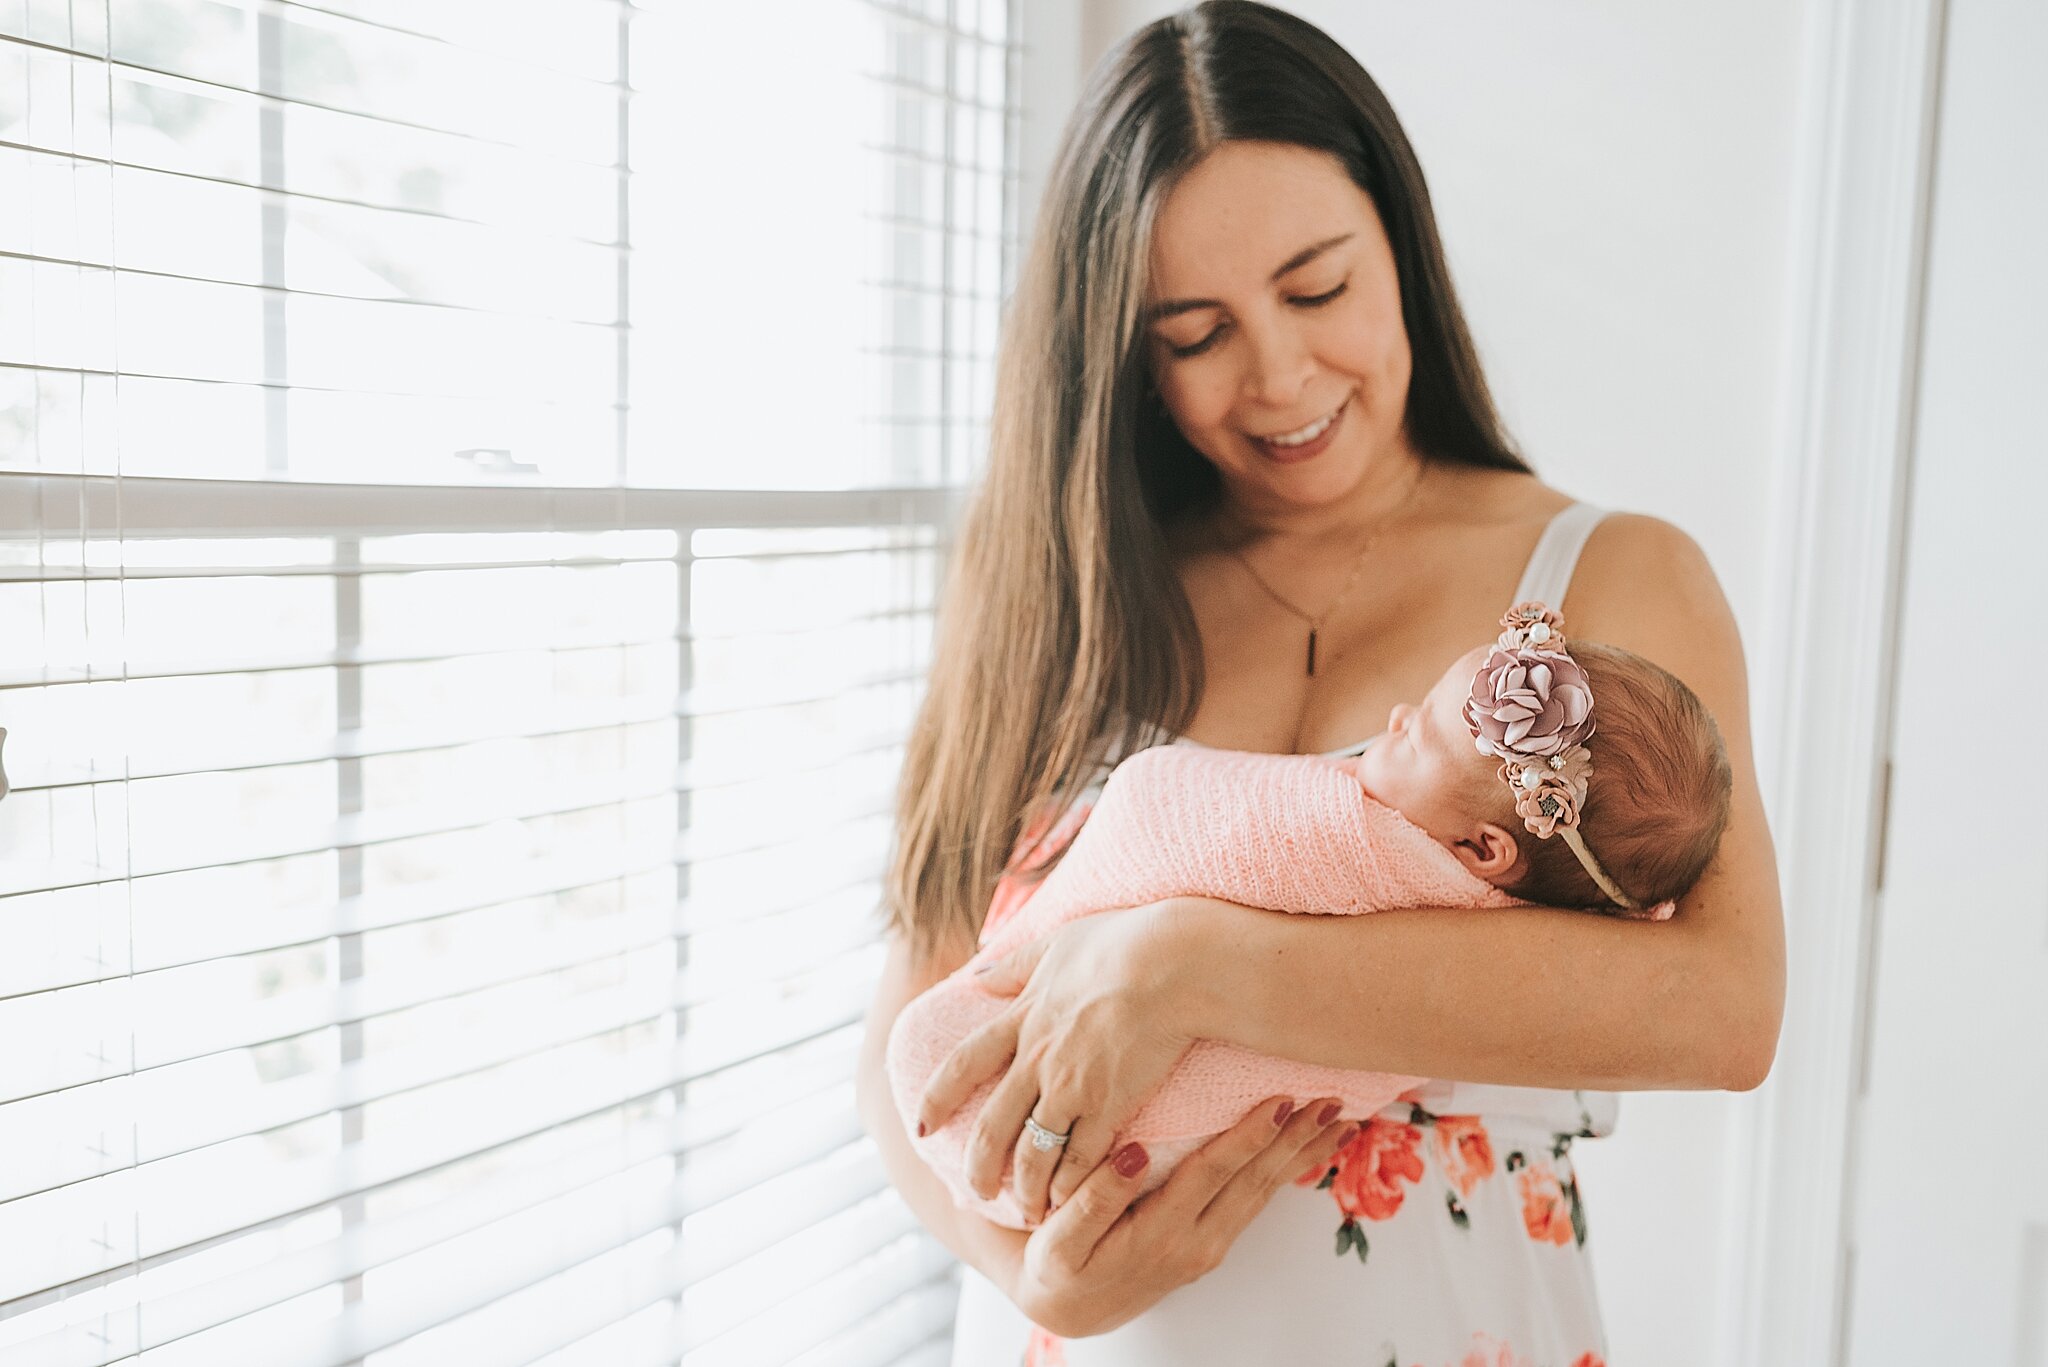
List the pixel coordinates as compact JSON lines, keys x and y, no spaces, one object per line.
{"x":1092,"y":1032}
{"x":1103,"y":1258}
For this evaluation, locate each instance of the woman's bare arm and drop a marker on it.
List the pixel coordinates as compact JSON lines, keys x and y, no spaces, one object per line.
{"x":991,"y":1250}
{"x":1535,"y":997}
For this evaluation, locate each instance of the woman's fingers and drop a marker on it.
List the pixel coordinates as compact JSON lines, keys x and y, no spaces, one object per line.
{"x":1071,"y":1234}
{"x":1194,"y":1245}
{"x":1310,"y":1138}
{"x":997,"y":1129}
{"x":973,"y":1061}
{"x":1006,"y":976}
{"x":1206,"y":1171}
{"x":1072,"y":1163}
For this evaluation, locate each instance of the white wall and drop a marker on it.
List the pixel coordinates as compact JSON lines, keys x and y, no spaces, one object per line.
{"x":1616,"y":190}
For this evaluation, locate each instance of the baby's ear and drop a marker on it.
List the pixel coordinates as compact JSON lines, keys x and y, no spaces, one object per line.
{"x":1489,"y":852}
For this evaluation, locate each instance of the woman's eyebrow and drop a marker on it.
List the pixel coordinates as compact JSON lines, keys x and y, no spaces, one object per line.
{"x":1171,"y":307}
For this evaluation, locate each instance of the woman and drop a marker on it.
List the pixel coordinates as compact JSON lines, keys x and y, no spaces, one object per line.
{"x":1247,"y":489}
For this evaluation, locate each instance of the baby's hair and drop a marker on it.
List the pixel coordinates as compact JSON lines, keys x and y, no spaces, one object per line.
{"x":1657,"y":800}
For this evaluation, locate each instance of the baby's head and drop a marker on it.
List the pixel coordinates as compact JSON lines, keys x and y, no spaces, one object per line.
{"x":1656,"y":778}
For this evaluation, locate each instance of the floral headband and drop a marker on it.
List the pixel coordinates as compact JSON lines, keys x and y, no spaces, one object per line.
{"x":1532,"y":707}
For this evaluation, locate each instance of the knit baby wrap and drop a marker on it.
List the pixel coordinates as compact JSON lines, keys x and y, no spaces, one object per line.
{"x":1283,"y":832}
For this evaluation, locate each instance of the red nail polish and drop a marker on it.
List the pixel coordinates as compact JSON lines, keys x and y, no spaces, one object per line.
{"x":1131,"y":1159}
{"x":1328,"y":1113}
{"x":1282,"y":1111}
{"x":920,"y":1129}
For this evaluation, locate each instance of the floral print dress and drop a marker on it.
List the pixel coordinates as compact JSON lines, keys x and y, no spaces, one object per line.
{"x":1450,"y":1232}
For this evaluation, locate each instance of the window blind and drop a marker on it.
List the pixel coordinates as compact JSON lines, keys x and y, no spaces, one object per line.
{"x":466,"y":562}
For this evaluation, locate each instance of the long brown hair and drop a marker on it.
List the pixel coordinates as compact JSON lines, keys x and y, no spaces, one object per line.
{"x":1064,"y":635}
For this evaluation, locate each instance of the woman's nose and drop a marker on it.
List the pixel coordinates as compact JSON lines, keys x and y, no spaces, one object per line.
{"x":1281,"y":367}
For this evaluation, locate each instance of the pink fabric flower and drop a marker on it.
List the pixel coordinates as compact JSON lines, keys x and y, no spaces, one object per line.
{"x":1529,"y":702}
{"x":1551,"y":792}
{"x":1517,"y":620}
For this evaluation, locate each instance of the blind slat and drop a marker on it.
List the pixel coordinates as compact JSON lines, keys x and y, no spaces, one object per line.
{"x":353,"y":1003}
{"x":775,"y":1176}
{"x":364,"y":1170}
{"x":68,"y":505}
{"x":840,"y":1322}
{"x":799,"y":1198}
{"x":775,"y":1276}
{"x":908,"y":1324}
{"x":134,"y":63}
{"x":59,"y":574}
{"x":240,"y":932}
{"x":360,"y":830}
{"x":48,"y":676}
{"x":501,"y":222}
{"x":83,"y":262}
{"x":161,"y":1127}
{"x":385,"y":742}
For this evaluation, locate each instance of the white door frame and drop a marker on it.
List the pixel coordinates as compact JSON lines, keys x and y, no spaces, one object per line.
{"x":1823,"y":684}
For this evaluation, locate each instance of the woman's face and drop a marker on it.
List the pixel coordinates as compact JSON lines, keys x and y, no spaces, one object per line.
{"x":1274,"y":305}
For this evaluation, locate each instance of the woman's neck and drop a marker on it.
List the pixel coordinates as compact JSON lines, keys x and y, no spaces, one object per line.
{"x":1387,"y":489}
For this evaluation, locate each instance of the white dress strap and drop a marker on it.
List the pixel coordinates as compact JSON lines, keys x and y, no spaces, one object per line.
{"x":1556,"y":555}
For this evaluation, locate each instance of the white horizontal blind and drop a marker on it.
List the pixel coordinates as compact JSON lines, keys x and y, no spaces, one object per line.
{"x":435,"y":916}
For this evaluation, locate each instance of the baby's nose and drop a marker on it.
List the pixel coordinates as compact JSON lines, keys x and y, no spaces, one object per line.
{"x":1398,"y":718}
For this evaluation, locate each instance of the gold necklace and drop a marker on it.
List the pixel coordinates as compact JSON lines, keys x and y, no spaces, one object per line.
{"x":1315,"y":623}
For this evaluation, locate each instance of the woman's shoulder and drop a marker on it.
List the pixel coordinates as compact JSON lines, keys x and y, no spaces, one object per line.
{"x":1637,"y":570}
{"x":1481,"y":500}
{"x":1644,"y":585}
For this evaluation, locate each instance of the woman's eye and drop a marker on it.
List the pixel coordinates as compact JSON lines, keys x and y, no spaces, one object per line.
{"x":1305,"y":301}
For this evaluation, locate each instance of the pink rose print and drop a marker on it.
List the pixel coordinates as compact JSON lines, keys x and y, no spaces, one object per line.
{"x":1545,"y":1212}
{"x":1487,"y":1351}
{"x":1045,"y":1350}
{"x":1016,"y":886}
{"x":1372,"y":1167}
{"x":1464,"y":1149}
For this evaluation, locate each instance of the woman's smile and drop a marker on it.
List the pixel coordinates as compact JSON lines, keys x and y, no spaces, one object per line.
{"x":1293,"y":447}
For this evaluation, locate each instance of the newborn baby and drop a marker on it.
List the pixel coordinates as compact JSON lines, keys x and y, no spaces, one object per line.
{"x":1455,"y":806}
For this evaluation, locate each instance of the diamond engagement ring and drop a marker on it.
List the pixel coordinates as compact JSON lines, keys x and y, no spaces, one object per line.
{"x":1042,"y":1138}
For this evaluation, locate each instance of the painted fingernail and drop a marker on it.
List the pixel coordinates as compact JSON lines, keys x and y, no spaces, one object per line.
{"x":1131,"y":1159}
{"x":1348,"y":1135}
{"x":1282,"y":1111}
{"x":1328,"y":1113}
{"x":920,"y":1129}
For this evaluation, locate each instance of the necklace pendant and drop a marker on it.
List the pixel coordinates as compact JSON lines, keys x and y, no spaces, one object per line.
{"x":1311,"y":652}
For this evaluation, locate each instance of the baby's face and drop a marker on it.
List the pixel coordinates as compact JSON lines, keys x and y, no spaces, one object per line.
{"x":1425,"y":766}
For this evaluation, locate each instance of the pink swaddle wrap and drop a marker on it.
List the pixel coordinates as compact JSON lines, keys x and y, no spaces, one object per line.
{"x":1283,"y":832}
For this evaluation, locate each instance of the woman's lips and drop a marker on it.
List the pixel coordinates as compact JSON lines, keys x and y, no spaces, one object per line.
{"x":1293,"y":455}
